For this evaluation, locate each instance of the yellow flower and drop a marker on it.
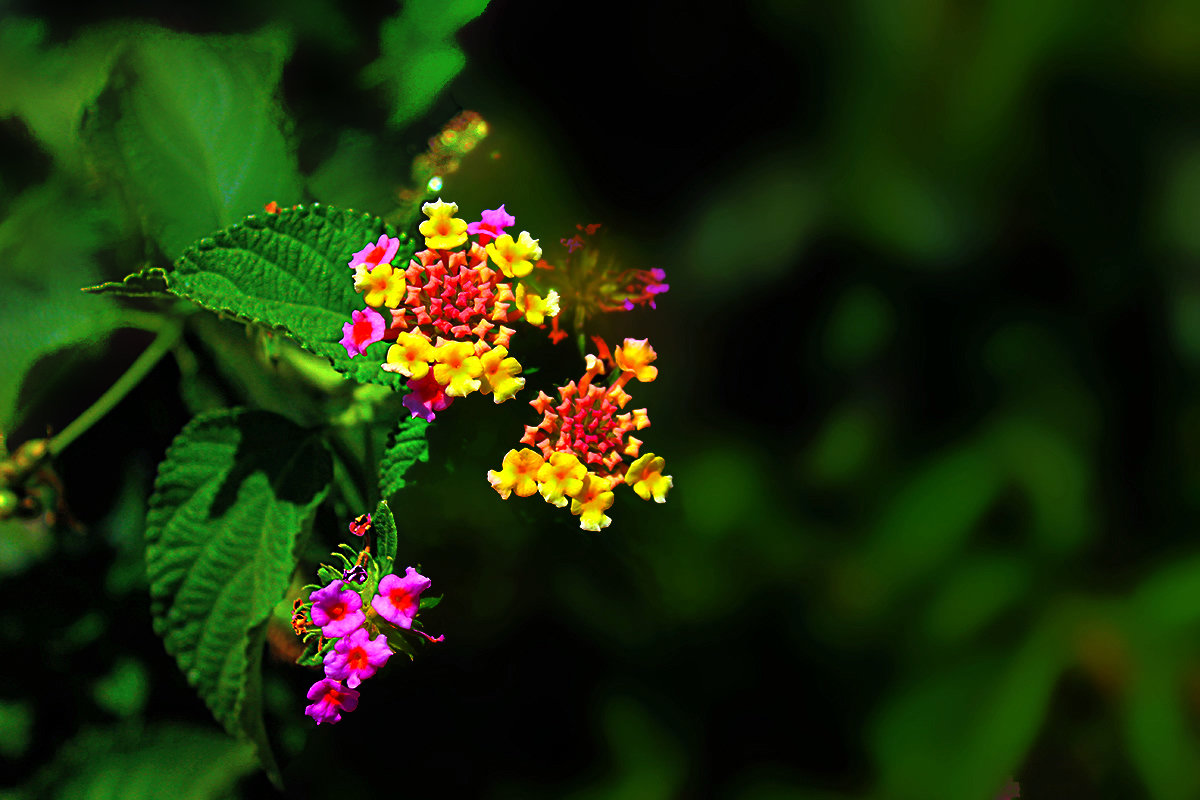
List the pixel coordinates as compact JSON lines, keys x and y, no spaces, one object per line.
{"x":591,"y":502}
{"x":384,"y":285}
{"x":410,"y":355}
{"x":457,"y":368}
{"x":499,"y":374}
{"x":442,"y":231}
{"x":514,"y":258}
{"x":518,"y":473}
{"x":635,"y":356}
{"x":535,"y":308}
{"x":560,"y":477}
{"x":646,"y":478}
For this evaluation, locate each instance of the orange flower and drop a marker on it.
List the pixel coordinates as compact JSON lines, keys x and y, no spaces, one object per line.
{"x":635,"y":356}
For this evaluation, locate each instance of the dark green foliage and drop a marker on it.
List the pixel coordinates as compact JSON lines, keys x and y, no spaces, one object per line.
{"x":233,"y":496}
{"x":44,"y":314}
{"x":191,"y":130}
{"x":150,"y":282}
{"x":406,"y":446}
{"x":186,"y":762}
{"x":418,"y":55}
{"x":383,"y":525}
{"x":290,"y":271}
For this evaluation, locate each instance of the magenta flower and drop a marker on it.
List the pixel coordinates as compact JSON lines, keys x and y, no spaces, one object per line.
{"x":365,"y":328}
{"x":337,"y":611}
{"x":492,"y":225}
{"x":355,"y":658}
{"x":400,"y":598}
{"x":426,"y":397}
{"x":382,"y":252}
{"x":330,"y":699}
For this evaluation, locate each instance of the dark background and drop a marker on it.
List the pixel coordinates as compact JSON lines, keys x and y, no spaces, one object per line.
{"x":926,"y":388}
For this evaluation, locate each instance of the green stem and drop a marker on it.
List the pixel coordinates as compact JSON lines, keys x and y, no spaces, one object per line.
{"x":343,"y":473}
{"x":168,"y":334}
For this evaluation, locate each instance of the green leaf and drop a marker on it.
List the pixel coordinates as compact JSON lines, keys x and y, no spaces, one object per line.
{"x":190,"y":129}
{"x":429,"y":602}
{"x":933,"y":514}
{"x":1159,"y":734}
{"x":418,"y":55}
{"x":327,"y":574}
{"x":406,"y":446}
{"x":150,"y":282}
{"x":50,"y":87}
{"x":289,"y":271}
{"x":960,"y":729}
{"x":384,"y":526}
{"x":360,"y":173}
{"x":44,"y":312}
{"x":232,"y":497}
{"x":183,"y":762}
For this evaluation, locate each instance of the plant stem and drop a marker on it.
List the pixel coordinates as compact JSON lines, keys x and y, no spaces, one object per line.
{"x":168,"y":333}
{"x":343,"y":473}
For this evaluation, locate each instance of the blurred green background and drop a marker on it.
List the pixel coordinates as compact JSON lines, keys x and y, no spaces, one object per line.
{"x":927,"y":388}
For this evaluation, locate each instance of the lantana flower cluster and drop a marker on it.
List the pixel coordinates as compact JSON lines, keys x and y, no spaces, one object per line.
{"x":354,"y":623}
{"x":581,"y":441}
{"x":590,"y":283}
{"x":448,"y":312}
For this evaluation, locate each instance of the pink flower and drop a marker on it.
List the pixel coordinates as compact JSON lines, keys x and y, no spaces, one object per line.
{"x":337,"y":611}
{"x":400,"y":598}
{"x":382,"y":252}
{"x":365,"y":328}
{"x":426,"y":397}
{"x":492,"y":225}
{"x":355,"y":658}
{"x":330,"y":699}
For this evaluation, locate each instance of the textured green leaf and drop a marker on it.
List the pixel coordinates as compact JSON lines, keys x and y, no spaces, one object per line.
{"x":48,"y":239}
{"x":383,"y":524}
{"x":190,"y":128}
{"x":418,"y":55}
{"x":150,"y":282}
{"x":406,"y":446}
{"x":232,"y":496}
{"x":183,"y":762}
{"x":289,"y":271}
